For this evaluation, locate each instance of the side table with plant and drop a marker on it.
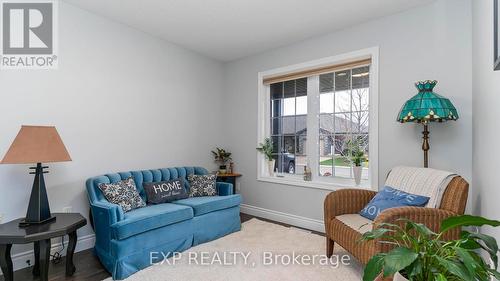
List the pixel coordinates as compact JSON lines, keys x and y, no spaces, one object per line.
{"x":266,"y":148}
{"x":422,"y":255}
{"x":222,"y":156}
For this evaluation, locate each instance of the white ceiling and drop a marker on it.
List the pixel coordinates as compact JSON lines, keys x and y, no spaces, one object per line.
{"x":231,"y":29}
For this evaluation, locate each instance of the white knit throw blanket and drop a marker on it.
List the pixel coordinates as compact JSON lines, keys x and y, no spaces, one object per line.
{"x":421,"y":181}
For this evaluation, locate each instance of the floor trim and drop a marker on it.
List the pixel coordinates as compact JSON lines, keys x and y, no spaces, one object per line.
{"x":294,"y":220}
{"x":19,"y":260}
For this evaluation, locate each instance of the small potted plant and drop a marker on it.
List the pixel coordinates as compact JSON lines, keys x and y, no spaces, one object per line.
{"x":267,"y":149}
{"x":420,"y":254}
{"x":222,"y":156}
{"x":357,"y":157}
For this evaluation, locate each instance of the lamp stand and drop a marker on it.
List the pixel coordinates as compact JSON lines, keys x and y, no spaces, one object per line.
{"x":425,"y":145}
{"x":38,"y":208}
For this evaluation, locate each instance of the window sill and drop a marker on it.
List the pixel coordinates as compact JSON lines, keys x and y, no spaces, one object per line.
{"x":323,"y":185}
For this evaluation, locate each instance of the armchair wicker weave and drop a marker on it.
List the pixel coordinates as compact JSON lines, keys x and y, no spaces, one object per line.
{"x":345,"y":204}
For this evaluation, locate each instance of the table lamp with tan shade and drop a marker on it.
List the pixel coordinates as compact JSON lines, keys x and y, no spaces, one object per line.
{"x":37,"y":144}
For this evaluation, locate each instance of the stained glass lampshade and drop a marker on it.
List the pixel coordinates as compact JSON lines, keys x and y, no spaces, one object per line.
{"x":427,"y":106}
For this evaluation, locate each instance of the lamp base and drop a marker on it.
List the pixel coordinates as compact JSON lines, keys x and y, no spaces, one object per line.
{"x":38,"y":208}
{"x":25,"y":223}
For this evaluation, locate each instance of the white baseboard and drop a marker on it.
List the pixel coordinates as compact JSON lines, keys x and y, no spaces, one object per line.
{"x":294,"y":220}
{"x":19,"y":260}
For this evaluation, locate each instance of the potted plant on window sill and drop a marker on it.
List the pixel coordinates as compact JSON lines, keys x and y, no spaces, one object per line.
{"x":357,"y":157}
{"x":222,"y":156}
{"x":266,"y":148}
{"x":422,"y":255}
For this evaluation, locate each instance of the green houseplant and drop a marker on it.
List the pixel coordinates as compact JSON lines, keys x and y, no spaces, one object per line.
{"x":422,"y":255}
{"x":221,"y":156}
{"x":357,"y":157}
{"x":266,"y":148}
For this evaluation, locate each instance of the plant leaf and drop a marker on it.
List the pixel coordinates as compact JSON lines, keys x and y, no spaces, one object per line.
{"x":440,"y":277}
{"x":469,"y":262}
{"x":398,"y":259}
{"x":470,"y":244}
{"x":466,"y":220}
{"x":494,"y":258}
{"x":374,"y":267}
{"x":490,"y":246}
{"x":414,"y":269}
{"x":495,"y":273}
{"x":456,"y":269}
{"x":374,"y":234}
{"x":420,"y":228}
{"x":489,"y":241}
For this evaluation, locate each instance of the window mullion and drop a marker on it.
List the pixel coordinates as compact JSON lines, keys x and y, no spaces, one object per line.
{"x":351,"y":136}
{"x":313,"y":125}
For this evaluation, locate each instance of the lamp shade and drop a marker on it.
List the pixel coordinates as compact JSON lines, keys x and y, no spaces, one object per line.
{"x":427,"y":106}
{"x":36,"y":144}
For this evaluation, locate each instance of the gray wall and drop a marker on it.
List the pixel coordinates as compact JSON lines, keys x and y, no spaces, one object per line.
{"x":430,"y":42}
{"x":486,"y":92}
{"x":121,"y":100}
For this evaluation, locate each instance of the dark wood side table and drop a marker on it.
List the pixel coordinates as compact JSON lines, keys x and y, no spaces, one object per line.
{"x":40,"y":235}
{"x":229,"y":178}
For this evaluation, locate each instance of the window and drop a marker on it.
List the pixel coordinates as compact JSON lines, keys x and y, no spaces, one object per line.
{"x":314,"y":113}
{"x":289,"y":125}
{"x":343,"y":120}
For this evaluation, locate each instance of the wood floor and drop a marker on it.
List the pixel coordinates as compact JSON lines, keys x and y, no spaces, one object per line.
{"x":88,"y":267}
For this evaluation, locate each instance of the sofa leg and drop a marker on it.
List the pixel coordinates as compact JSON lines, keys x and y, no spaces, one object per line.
{"x":329,"y":247}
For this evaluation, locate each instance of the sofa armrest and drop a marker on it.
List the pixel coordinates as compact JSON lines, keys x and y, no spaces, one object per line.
{"x":345,"y":201}
{"x":104,"y":215}
{"x":430,"y":217}
{"x":224,"y":188}
{"x":106,"y":212}
{"x":102,"y":210}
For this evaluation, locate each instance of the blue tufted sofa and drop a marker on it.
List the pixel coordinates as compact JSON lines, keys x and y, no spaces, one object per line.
{"x":125,"y":241}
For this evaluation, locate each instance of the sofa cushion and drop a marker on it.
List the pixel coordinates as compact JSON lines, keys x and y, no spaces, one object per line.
{"x":148,"y":218}
{"x":356,"y":222}
{"x":207,"y":204}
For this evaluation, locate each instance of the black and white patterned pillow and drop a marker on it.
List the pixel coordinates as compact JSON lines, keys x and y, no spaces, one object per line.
{"x":123,"y":193}
{"x":202,"y":185}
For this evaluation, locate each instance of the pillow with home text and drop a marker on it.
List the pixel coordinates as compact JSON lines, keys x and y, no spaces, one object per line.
{"x":165,"y":191}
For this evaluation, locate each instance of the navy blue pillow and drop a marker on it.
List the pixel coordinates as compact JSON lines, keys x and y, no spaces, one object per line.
{"x":390,"y":197}
{"x":165,"y":191}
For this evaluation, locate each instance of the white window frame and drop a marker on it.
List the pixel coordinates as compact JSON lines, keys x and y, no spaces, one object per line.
{"x":264,"y":115}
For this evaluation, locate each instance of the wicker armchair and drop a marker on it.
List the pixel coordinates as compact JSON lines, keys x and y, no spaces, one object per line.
{"x":352,"y":201}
